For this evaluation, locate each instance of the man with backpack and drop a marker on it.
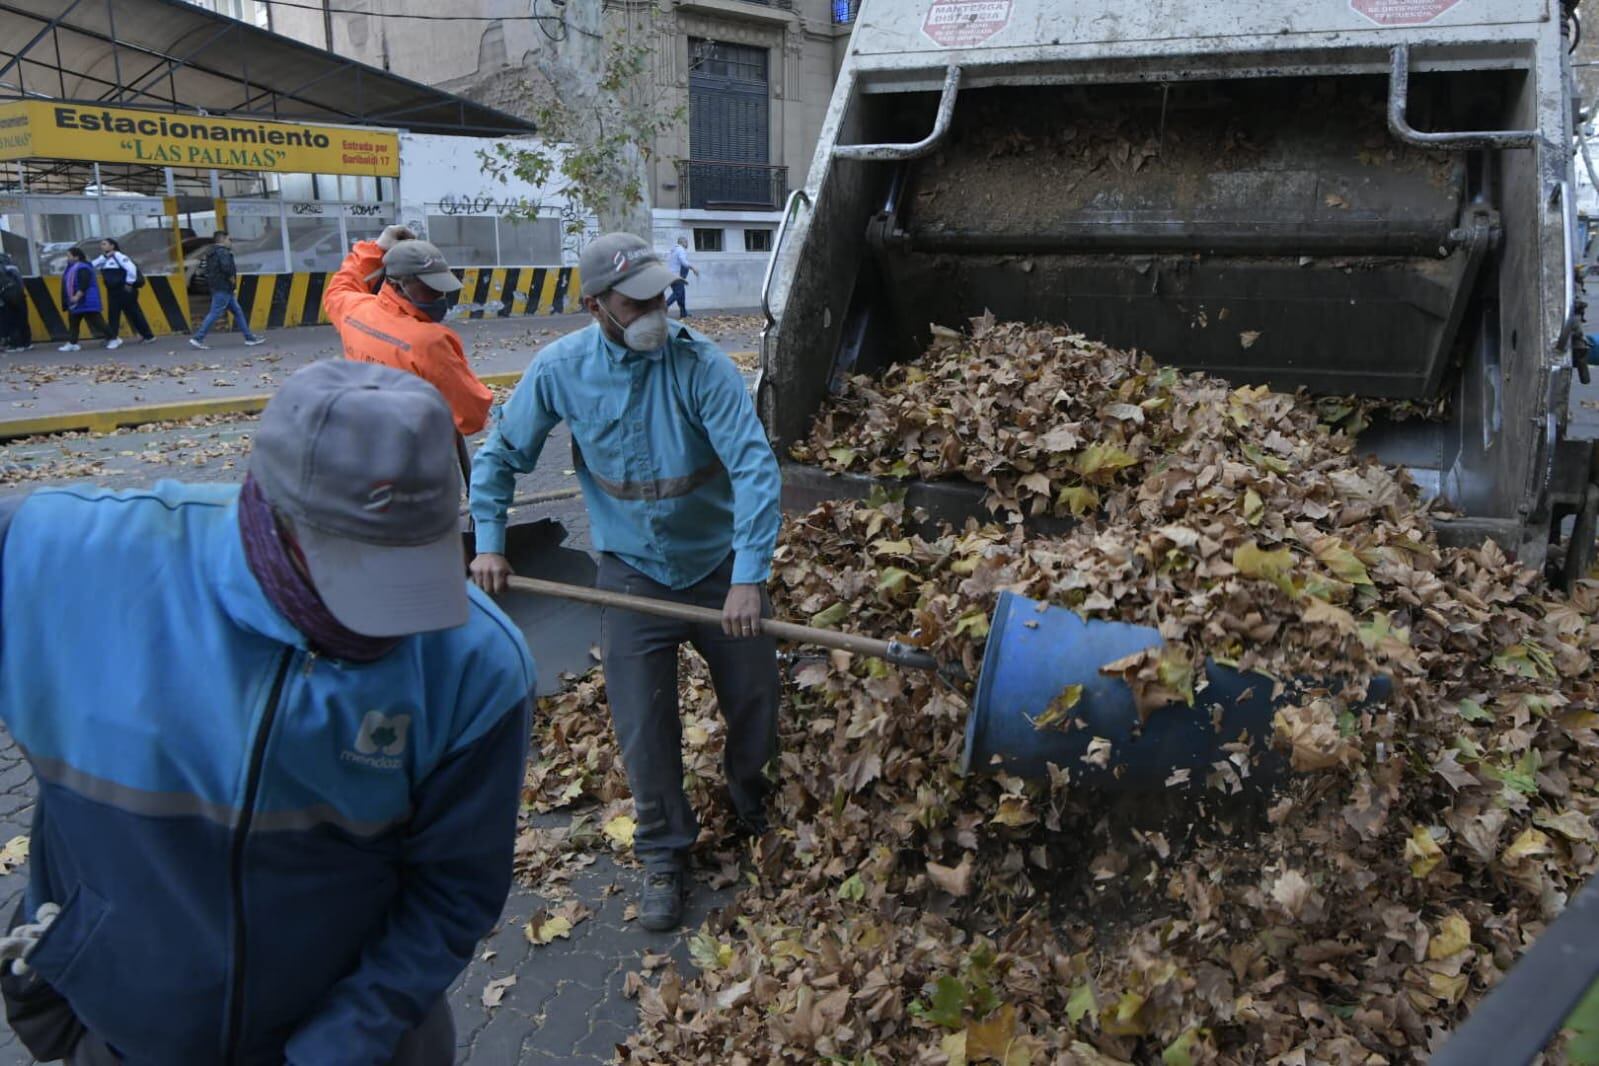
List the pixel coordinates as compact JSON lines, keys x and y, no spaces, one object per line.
{"x":14,"y":328}
{"x":122,"y":284}
{"x":221,"y":274}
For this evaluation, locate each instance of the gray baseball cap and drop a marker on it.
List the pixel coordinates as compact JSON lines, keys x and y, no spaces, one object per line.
{"x":420,"y":259}
{"x":361,"y":459}
{"x":625,"y":263}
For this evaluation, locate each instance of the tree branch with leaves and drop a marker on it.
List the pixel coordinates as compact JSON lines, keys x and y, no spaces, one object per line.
{"x":597,"y":137}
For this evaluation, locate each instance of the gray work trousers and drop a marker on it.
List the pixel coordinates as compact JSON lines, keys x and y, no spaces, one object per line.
{"x":430,"y":1044}
{"x":639,"y":655}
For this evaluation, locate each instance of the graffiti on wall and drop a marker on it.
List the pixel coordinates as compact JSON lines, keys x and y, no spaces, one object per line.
{"x":451,"y":204}
{"x":577,"y":230}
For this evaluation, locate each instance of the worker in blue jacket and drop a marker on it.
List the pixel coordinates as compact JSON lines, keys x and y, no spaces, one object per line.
{"x":682,"y":492}
{"x":279,"y":746}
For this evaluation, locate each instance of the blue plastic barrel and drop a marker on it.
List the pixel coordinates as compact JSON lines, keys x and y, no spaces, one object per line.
{"x":1035,"y":650}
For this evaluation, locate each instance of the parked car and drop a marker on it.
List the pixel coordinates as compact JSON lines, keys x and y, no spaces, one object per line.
{"x":316,"y":251}
{"x":16,"y":246}
{"x":144,"y":245}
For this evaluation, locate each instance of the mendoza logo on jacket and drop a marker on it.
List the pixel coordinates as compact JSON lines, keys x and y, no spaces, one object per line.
{"x":380,"y":740}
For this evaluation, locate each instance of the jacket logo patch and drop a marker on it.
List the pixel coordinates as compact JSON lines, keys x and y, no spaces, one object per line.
{"x":380,"y":741}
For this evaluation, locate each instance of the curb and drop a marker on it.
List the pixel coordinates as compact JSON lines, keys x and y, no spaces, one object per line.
{"x":107,"y":419}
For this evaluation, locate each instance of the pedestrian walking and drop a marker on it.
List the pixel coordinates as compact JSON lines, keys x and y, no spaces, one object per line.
{"x":80,"y":299}
{"x":276,"y":817}
{"x":122,"y":282}
{"x":678,"y":263}
{"x":221,"y":274}
{"x":401,"y":325}
{"x":15,"y":332}
{"x":682,"y":492}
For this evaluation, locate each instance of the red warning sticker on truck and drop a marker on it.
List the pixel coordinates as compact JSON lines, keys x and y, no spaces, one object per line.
{"x":964,"y":23}
{"x":1402,"y":12}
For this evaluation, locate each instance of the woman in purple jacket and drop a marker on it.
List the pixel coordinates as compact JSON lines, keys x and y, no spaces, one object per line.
{"x":80,"y":299}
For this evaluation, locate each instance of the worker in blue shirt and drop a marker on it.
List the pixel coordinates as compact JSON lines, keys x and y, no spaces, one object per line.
{"x":682,"y":491}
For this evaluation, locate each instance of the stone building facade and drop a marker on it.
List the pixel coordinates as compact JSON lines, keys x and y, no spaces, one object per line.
{"x":751,"y":78}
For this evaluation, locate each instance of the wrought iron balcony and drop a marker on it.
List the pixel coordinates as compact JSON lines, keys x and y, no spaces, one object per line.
{"x":712,"y":185}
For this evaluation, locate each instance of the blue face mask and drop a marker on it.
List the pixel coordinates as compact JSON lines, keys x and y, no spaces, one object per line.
{"x":434,"y":309}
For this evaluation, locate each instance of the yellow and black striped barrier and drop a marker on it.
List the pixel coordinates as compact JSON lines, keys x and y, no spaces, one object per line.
{"x":276,"y":301}
{"x":162,"y":307}
{"x":273,"y":301}
{"x":500,"y":292}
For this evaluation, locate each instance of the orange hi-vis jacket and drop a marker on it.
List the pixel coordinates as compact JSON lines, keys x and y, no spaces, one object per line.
{"x":385,"y":328}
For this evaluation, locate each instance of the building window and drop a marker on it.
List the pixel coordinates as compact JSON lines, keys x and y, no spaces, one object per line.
{"x":718,"y":59}
{"x":844,"y":11}
{"x":729,"y":118}
{"x":707,"y":240}
{"x":757,"y":240}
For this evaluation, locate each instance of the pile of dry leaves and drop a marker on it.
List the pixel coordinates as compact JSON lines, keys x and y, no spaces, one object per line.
{"x":904,"y":914}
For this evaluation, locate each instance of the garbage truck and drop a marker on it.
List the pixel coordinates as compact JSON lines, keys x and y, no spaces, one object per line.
{"x":1370,"y":198}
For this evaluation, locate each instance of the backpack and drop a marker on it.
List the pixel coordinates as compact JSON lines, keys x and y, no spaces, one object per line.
{"x":115,"y":274}
{"x":217,"y":278}
{"x":11,"y":291}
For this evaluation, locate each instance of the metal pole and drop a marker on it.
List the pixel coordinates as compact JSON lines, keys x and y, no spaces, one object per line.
{"x":99,"y":202}
{"x":34,"y":266}
{"x":283,"y":229}
{"x":116,"y":58}
{"x":49,"y":27}
{"x":327,"y":23}
{"x":1399,"y":125}
{"x":925,"y":146}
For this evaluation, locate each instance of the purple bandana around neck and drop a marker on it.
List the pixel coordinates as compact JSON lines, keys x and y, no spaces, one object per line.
{"x":288,"y":589}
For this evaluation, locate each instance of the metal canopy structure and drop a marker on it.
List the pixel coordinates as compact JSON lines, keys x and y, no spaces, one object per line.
{"x":172,"y":55}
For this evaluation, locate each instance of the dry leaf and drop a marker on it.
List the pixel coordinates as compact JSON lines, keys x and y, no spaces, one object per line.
{"x":494,"y":991}
{"x":957,"y":880}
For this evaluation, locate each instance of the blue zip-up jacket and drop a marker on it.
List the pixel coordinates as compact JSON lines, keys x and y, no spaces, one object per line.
{"x":674,"y":464}
{"x":262,"y":856}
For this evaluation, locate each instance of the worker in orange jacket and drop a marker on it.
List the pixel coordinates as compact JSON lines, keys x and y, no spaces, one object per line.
{"x":401,"y":324}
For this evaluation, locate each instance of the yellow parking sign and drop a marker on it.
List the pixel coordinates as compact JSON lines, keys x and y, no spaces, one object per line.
{"x":47,"y":129}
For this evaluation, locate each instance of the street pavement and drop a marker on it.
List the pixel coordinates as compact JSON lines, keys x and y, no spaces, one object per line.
{"x":567,"y":1004}
{"x":46,"y":381}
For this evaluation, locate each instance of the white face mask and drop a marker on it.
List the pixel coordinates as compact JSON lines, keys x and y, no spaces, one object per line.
{"x":645,"y":333}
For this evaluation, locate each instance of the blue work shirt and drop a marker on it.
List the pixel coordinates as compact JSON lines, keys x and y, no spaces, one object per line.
{"x":675,"y":466}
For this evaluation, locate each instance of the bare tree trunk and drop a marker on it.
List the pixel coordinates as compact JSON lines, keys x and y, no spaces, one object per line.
{"x":578,"y":71}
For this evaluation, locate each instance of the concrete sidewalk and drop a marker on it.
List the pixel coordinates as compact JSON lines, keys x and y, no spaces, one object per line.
{"x":49,"y":391}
